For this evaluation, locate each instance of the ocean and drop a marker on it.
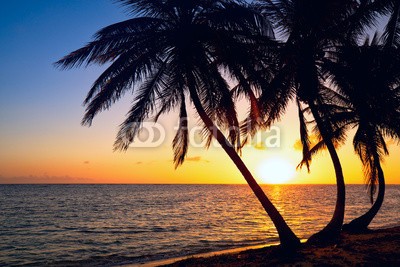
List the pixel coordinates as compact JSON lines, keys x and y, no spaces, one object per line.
{"x":109,"y":225}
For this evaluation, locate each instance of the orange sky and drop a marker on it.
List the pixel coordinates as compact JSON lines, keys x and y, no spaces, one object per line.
{"x":76,"y":154}
{"x":41,"y":140}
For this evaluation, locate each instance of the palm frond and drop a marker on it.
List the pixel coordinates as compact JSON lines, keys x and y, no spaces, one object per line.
{"x":143,"y":107}
{"x":112,"y":41}
{"x":370,"y":147}
{"x":304,"y":138}
{"x":391,"y":35}
{"x":169,"y":96}
{"x":276,"y":96}
{"x":181,"y":140}
{"x":313,"y":151}
{"x":365,"y":15}
{"x":253,"y":122}
{"x":241,"y":17}
{"x":147,"y":8}
{"x":223,"y":110}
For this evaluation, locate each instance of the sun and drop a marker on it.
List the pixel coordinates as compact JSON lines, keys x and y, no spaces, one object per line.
{"x":275,"y":171}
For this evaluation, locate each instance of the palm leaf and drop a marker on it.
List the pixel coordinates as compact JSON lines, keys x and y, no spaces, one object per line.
{"x":305,"y":141}
{"x":392,"y":30}
{"x":181,"y":139}
{"x":144,"y":105}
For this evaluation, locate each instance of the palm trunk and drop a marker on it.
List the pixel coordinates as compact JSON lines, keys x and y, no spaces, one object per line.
{"x":361,"y":223}
{"x":332,"y":230}
{"x":287,"y":238}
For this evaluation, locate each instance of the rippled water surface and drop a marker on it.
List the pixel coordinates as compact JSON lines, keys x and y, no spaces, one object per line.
{"x":109,"y":225}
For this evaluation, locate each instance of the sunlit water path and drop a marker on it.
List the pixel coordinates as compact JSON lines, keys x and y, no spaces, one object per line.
{"x":109,"y":225}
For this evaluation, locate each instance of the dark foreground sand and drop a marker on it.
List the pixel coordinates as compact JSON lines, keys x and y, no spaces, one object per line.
{"x":379,"y":247}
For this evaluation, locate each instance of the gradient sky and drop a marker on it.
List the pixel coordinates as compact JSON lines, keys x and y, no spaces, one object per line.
{"x":42,"y":141}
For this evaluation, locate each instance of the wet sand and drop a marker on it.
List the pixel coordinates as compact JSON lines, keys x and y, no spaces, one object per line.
{"x":378,"y":247}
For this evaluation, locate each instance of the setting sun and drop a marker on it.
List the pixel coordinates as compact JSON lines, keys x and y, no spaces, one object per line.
{"x":275,"y":171}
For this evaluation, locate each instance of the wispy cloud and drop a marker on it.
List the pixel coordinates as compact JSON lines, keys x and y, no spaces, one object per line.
{"x":44,"y":179}
{"x":260,"y":146}
{"x":299,"y":146}
{"x":197,"y":158}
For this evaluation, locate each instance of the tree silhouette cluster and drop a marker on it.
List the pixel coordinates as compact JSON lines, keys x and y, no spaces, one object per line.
{"x":176,"y":53}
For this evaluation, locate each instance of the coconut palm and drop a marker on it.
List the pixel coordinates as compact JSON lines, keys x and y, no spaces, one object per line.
{"x":365,"y":95}
{"x":375,"y":68}
{"x":369,"y":78}
{"x":313,"y":30}
{"x":391,"y":42}
{"x":171,"y":52}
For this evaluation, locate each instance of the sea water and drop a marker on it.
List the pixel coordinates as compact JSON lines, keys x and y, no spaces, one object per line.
{"x":107,"y":225}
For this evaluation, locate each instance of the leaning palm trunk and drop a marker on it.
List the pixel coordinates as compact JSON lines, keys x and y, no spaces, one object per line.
{"x":287,"y":238}
{"x":332,"y":230}
{"x":361,"y":223}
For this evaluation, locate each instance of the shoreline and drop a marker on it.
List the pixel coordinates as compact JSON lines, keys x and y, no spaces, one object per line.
{"x":380,"y":246}
{"x":169,"y":261}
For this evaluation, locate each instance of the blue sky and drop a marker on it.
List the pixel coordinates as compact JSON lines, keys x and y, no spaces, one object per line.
{"x":33,"y":35}
{"x":37,"y":101}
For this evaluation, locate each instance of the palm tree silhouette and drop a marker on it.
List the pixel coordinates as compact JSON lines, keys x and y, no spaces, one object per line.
{"x":376,"y":144}
{"x":171,"y":52}
{"x":364,"y":96}
{"x":313,"y":31}
{"x":367,"y":77}
{"x":369,"y":81}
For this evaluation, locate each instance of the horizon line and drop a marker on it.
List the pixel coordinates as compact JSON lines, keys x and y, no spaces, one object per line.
{"x":180,"y":184}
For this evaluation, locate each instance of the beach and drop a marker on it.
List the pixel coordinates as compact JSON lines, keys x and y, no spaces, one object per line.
{"x":378,"y":247}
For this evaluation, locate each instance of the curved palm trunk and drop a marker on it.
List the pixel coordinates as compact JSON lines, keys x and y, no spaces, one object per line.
{"x":361,"y":223}
{"x":332,"y":230}
{"x":287,"y":238}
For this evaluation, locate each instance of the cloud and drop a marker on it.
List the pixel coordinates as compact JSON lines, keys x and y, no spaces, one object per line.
{"x":139,"y":162}
{"x":86,"y":162}
{"x":260,"y":146}
{"x":45,"y":179}
{"x":197,"y":158}
{"x":299,"y":146}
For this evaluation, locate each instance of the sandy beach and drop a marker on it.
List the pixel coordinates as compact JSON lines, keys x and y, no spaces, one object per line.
{"x":378,"y":247}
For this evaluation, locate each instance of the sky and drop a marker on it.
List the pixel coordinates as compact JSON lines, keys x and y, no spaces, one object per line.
{"x":42,"y":141}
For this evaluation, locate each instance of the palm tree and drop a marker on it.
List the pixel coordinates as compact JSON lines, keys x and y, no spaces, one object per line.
{"x":376,"y":144}
{"x":379,"y":62}
{"x":368,"y":77}
{"x":365,"y":95}
{"x":167,"y":54}
{"x":313,"y":30}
